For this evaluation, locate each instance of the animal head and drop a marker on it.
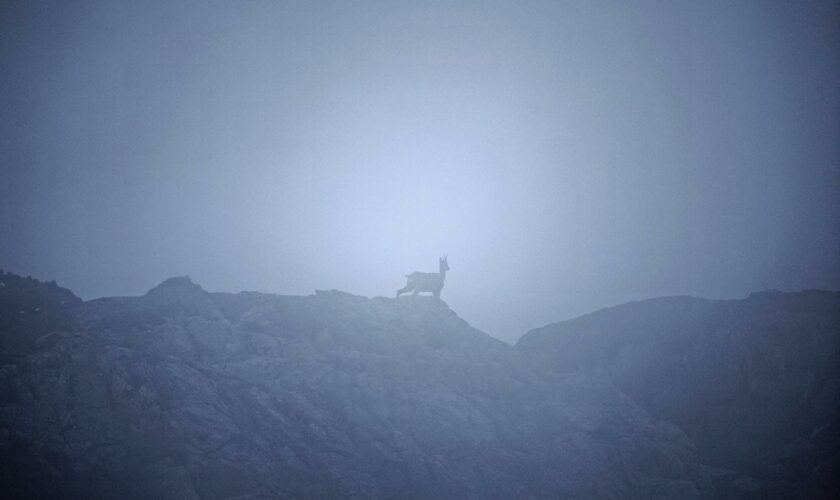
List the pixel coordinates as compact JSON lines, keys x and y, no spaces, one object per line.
{"x":443,"y":264}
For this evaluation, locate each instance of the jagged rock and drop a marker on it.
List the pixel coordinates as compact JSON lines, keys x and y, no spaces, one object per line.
{"x":30,"y":309}
{"x":182,"y":393}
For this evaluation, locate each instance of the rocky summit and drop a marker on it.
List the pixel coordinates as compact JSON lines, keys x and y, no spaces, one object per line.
{"x":181,"y":393}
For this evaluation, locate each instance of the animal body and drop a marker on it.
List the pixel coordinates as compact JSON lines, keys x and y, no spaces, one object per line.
{"x":426,"y":282}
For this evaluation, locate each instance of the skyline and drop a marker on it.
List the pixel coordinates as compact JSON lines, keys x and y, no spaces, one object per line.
{"x":566,"y":156}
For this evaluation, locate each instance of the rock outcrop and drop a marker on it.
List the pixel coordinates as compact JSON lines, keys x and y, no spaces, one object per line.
{"x":30,"y":309}
{"x":182,"y":393}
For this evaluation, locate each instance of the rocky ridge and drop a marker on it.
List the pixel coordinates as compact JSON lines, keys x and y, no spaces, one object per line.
{"x":182,"y":393}
{"x":755,"y":383}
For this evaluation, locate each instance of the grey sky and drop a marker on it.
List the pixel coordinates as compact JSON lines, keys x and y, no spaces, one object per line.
{"x":566,"y":155}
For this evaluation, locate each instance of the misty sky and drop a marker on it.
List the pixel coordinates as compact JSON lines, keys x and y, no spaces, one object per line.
{"x":566,"y":155}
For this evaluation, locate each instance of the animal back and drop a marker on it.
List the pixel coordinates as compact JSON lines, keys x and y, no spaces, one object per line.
{"x":425,"y":282}
{"x":422,"y":276}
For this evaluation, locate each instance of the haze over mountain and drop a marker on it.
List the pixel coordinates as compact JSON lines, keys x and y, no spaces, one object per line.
{"x":181,"y":393}
{"x":567,"y":155}
{"x":755,"y":383}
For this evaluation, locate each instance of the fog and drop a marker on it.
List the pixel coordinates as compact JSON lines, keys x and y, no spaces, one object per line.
{"x":567,"y":156}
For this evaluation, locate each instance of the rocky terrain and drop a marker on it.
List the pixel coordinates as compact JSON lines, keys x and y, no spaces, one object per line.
{"x":182,"y":393}
{"x":755,"y":383}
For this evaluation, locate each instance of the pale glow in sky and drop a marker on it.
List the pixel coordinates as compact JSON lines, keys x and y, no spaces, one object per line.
{"x":566,"y":155}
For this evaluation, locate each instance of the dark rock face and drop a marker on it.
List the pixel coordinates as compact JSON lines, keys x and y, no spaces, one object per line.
{"x":186,"y":394}
{"x":755,"y":383}
{"x":30,"y":309}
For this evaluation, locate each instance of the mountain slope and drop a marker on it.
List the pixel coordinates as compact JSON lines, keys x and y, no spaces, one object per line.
{"x":182,"y":393}
{"x":755,"y":383}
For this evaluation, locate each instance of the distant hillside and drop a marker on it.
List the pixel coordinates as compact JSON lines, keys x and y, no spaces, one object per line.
{"x":755,"y":382}
{"x":182,"y":393}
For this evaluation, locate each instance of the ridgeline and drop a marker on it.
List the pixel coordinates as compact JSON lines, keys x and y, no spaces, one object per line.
{"x":181,"y":393}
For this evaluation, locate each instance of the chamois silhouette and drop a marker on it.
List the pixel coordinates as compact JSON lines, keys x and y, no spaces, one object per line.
{"x":426,"y":282}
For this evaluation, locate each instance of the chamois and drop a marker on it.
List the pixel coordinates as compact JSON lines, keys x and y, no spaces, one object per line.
{"x":426,"y":282}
